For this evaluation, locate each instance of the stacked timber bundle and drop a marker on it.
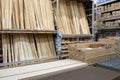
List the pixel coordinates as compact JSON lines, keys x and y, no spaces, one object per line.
{"x":20,"y":47}
{"x":72,"y":18}
{"x":91,"y":52}
{"x":110,"y":40}
{"x":26,"y":14}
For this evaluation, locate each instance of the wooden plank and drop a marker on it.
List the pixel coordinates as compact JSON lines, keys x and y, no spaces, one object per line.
{"x":40,"y":69}
{"x":21,"y":13}
{"x":27,"y":21}
{"x":32,"y":45}
{"x":24,"y":47}
{"x":16,"y":48}
{"x":37,"y":14}
{"x":6,"y":6}
{"x":51,"y":45}
{"x":8,"y":49}
{"x":12,"y":46}
{"x":28,"y":49}
{"x":22,"y":54}
{"x":38,"y":46}
{"x":16,"y":14}
{"x":4,"y":46}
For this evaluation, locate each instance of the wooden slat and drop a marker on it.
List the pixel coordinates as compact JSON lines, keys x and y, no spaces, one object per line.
{"x":6,"y":6}
{"x":4,"y":45}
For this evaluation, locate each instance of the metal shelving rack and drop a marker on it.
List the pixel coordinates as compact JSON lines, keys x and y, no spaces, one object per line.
{"x":109,"y":10}
{"x":110,"y":19}
{"x":106,"y":2}
{"x":109,"y":30}
{"x":54,"y":32}
{"x":28,"y":31}
{"x":77,"y":36}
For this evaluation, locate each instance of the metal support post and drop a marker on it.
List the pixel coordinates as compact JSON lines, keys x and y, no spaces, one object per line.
{"x":93,"y":27}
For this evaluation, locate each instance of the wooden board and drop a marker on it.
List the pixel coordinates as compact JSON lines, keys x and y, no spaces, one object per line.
{"x":41,"y":69}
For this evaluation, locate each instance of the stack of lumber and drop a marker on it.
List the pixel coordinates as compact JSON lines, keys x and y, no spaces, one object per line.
{"x":72,"y":18}
{"x":19,"y":47}
{"x":88,"y":53}
{"x":110,"y":40}
{"x":65,"y":45}
{"x":26,"y":14}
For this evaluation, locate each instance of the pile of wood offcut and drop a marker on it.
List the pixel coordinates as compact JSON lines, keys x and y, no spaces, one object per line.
{"x":26,"y":14}
{"x":72,"y":18}
{"x":19,"y":47}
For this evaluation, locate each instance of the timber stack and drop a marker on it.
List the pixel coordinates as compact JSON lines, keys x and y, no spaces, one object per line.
{"x":91,"y":52}
{"x":72,"y":18}
{"x":26,"y":15}
{"x":72,"y":21}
